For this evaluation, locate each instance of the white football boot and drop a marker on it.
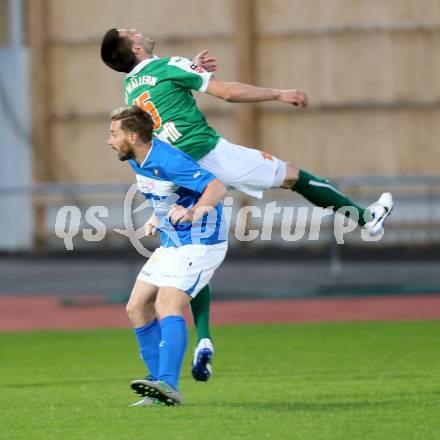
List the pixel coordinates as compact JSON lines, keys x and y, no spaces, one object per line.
{"x":158,"y":391}
{"x":380,"y":211}
{"x":146,"y":401}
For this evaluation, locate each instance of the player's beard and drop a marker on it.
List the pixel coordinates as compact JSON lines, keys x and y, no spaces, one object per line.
{"x":126,"y":152}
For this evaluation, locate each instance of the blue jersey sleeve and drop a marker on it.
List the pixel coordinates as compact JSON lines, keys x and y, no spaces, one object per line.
{"x":185,"y":172}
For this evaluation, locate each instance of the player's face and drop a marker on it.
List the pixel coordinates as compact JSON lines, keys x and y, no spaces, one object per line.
{"x":118,"y":140}
{"x":138,"y":38}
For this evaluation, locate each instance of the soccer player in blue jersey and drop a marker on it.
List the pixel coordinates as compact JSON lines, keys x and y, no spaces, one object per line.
{"x":187,"y":204}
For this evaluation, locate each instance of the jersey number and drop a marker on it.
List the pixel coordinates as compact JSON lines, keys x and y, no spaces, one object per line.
{"x":143,"y":101}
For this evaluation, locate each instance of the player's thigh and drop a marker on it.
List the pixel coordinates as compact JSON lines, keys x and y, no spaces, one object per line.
{"x":245,"y":169}
{"x":143,"y":295}
{"x":145,"y":289}
{"x":171,"y":301}
{"x":189,"y":268}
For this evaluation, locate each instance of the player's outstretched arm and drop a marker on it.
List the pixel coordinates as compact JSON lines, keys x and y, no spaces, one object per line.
{"x":241,"y":92}
{"x":214,"y":192}
{"x":205,"y":62}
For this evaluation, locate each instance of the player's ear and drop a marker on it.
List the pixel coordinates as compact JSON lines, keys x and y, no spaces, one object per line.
{"x":132,"y":137}
{"x":136,"y":48}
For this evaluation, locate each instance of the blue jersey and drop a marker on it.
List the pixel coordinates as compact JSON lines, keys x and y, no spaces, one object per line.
{"x":169,"y":176}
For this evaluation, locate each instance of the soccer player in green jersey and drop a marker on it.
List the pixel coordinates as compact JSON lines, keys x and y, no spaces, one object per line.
{"x":163,"y":87}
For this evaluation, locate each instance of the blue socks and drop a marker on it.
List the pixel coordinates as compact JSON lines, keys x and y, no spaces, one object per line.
{"x":172,"y":349}
{"x":162,"y":345}
{"x":148,"y":338}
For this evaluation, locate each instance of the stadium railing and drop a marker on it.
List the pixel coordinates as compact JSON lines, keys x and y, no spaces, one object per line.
{"x":415,"y":220}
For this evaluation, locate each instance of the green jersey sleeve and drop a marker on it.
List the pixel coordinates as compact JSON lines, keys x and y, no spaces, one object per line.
{"x":186,"y":74}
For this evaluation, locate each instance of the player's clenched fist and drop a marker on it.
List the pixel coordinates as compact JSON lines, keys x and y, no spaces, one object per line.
{"x":151,"y":226}
{"x":150,"y":230}
{"x":295,"y":97}
{"x":179,"y":214}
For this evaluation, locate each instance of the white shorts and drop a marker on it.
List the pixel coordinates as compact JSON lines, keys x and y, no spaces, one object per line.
{"x":244,"y":169}
{"x":188,"y":268}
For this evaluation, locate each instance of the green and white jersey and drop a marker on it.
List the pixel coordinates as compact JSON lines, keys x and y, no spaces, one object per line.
{"x":162,"y":87}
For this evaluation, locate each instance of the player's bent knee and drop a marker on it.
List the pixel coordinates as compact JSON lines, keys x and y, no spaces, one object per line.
{"x":166,"y":308}
{"x":171,"y":301}
{"x":130,"y":310}
{"x":134,"y":308}
{"x":163,"y":308}
{"x":291,"y":176}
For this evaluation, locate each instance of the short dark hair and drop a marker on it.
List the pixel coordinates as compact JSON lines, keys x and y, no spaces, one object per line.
{"x":116,"y":52}
{"x":135,"y":120}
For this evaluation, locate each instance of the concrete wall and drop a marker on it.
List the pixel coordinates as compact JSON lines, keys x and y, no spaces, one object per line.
{"x":370,"y":67}
{"x":372,"y":71}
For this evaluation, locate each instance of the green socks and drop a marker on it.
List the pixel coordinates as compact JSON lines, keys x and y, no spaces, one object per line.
{"x":322,"y":193}
{"x":200,"y":306}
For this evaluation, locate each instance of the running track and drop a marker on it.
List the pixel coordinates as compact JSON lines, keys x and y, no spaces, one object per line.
{"x":47,"y":312}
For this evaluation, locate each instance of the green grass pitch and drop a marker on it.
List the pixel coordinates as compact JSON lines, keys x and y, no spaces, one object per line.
{"x":308,"y":381}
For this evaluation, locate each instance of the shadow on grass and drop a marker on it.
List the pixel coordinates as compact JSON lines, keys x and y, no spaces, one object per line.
{"x":397,"y":398}
{"x":333,"y":375}
{"x":63,"y":383}
{"x":306,"y":406}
